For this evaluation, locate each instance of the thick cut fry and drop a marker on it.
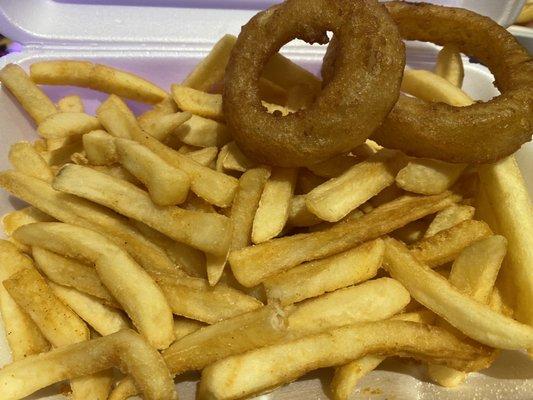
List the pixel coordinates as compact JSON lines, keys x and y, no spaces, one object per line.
{"x":184,"y":327}
{"x":235,"y":160}
{"x":252,"y":265}
{"x":166,"y":184}
{"x":117,"y":171}
{"x":98,"y":77}
{"x":72,"y":273}
{"x":211,"y":69}
{"x":123,"y":277}
{"x":507,"y":194}
{"x":474,"y":273}
{"x":334,"y":166}
{"x":431,"y":87}
{"x":63,"y":154}
{"x":62,"y":125}
{"x":194,"y":298}
{"x":446,"y":245}
{"x":299,"y":214}
{"x":24,"y":158}
{"x":273,"y":210}
{"x":202,"y":132}
{"x":23,"y":336}
{"x":426,"y":176}
{"x":205,"y":231}
{"x":214,"y":265}
{"x":71,"y":103}
{"x":448,"y":218}
{"x":162,"y":127}
{"x":28,"y":215}
{"x":335,"y":198}
{"x":31,"y":98}
{"x":197,"y":102}
{"x":103,"y":319}
{"x":100,"y":148}
{"x":124,"y":349}
{"x":474,"y":319}
{"x":205,"y":156}
{"x":213,"y":186}
{"x":450,"y":65}
{"x":317,"y":277}
{"x":266,"y":368}
{"x":370,"y":301}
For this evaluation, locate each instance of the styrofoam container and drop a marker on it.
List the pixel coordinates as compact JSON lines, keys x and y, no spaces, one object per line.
{"x":162,"y":42}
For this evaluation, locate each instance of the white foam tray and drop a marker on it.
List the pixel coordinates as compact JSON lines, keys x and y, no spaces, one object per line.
{"x":171,"y":43}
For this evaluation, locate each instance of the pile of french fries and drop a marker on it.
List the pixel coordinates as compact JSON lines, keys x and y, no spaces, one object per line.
{"x":151,"y":244}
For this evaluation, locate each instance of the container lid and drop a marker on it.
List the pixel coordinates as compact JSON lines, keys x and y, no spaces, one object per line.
{"x":160,"y":24}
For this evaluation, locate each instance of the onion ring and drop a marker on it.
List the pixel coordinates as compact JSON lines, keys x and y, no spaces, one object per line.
{"x":347,"y":110}
{"x":479,"y":133}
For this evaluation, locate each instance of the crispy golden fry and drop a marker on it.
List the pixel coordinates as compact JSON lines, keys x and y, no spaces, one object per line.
{"x":122,"y":276}
{"x":56,"y":143}
{"x":72,"y":103}
{"x":220,"y":158}
{"x":334,"y":166}
{"x":197,"y":102}
{"x":299,"y":214}
{"x":266,"y":368}
{"x":450,"y":65}
{"x":195,"y":203}
{"x":28,"y":215}
{"x":335,"y":198}
{"x":194,"y":298}
{"x":72,"y":273}
{"x":370,"y":301}
{"x":165,"y":125}
{"x":118,"y":172}
{"x":307,"y":181}
{"x":431,"y":87}
{"x":23,"y":336}
{"x":124,"y":349}
{"x":62,"y":125}
{"x":273,"y":210}
{"x":207,"y":232}
{"x":211,"y":69}
{"x":103,"y":319}
{"x":95,"y":386}
{"x":318,"y":277}
{"x":446,"y":245}
{"x":202,"y":132}
{"x":31,"y":98}
{"x":214,"y":265}
{"x":24,"y":158}
{"x":205,"y":156}
{"x":100,"y":148}
{"x":63,"y":154}
{"x":474,"y":319}
{"x":507,"y":194}
{"x":235,"y":160}
{"x":215,"y":187}
{"x":426,"y":176}
{"x":252,"y":265}
{"x":347,"y":376}
{"x":166,"y":184}
{"x":98,"y":77}
{"x":184,"y":327}
{"x":448,"y":218}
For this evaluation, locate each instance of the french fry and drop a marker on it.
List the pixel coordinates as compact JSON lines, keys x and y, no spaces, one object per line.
{"x":198,"y":102}
{"x":72,"y":273}
{"x":299,"y":214}
{"x":103,"y":319}
{"x":163,"y":107}
{"x":307,"y":181}
{"x":215,"y":187}
{"x":165,"y":125}
{"x":205,"y":156}
{"x":125,"y":349}
{"x":117,"y":171}
{"x":273,"y":210}
{"x":335,"y":198}
{"x":235,"y":160}
{"x":202,"y":132}
{"x":166,"y":184}
{"x":95,"y":386}
{"x":122,"y":276}
{"x":24,"y":158}
{"x":252,"y":265}
{"x":474,"y":273}
{"x":63,"y":125}
{"x":450,"y":65}
{"x":328,"y":274}
{"x":98,"y":77}
{"x":23,"y":336}
{"x":100,"y":148}
{"x":474,"y":319}
{"x":259,"y":370}
{"x":194,"y":298}
{"x":28,"y":215}
{"x":426,"y":176}
{"x":412,"y":232}
{"x":214,"y":265}
{"x":72,"y":103}
{"x":448,"y":218}
{"x":207,"y":232}
{"x":37,"y":104}
{"x":220,"y":158}
{"x":63,"y":154}
{"x":211,"y":69}
{"x":446,"y":245}
{"x":335,"y":166}
{"x":184,"y":327}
